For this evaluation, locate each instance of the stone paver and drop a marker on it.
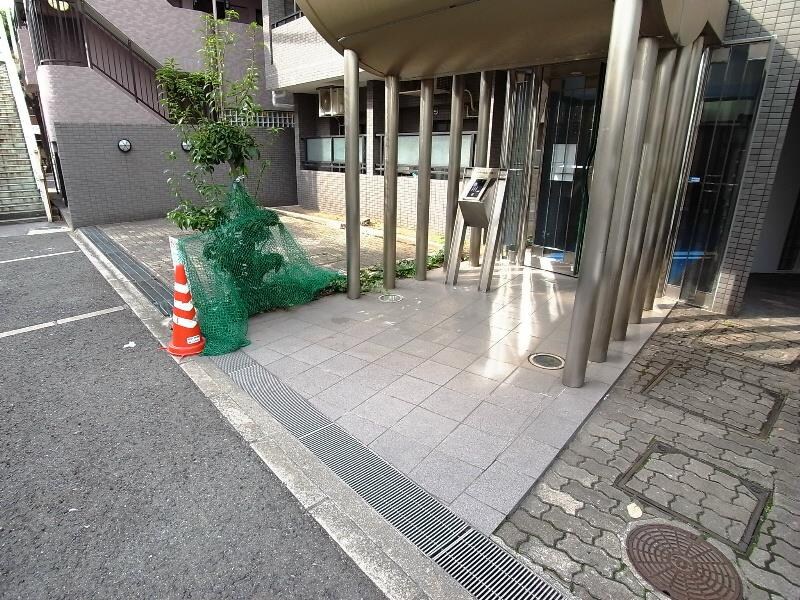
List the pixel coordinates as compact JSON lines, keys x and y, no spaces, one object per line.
{"x":703,"y":386}
{"x":148,"y":241}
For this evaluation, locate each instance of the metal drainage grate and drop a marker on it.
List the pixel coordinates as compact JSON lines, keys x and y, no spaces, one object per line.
{"x":390,"y":298}
{"x":682,"y":565}
{"x":139,"y":275}
{"x":483,"y":568}
{"x":545,"y":360}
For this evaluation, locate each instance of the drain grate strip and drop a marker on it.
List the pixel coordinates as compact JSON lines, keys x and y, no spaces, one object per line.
{"x":471,"y":558}
{"x":145,"y":281}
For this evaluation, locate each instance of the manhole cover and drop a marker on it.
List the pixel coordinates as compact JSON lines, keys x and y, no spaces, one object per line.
{"x":390,"y":298}
{"x":544,"y":360}
{"x":682,"y":565}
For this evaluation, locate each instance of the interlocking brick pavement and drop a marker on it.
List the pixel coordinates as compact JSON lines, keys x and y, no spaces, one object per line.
{"x":148,"y":241}
{"x":704,"y":386}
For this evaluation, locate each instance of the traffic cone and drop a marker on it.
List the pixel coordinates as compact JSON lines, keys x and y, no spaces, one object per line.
{"x":186,"y":338}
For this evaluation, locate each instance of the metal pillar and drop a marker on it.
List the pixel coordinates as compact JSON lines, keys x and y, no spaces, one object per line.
{"x":531,"y":164}
{"x":454,"y":161}
{"x":390,"y":181}
{"x":668,"y":135}
{"x":644,"y":192}
{"x":352,"y":172}
{"x":481,"y":152}
{"x":665,"y":219}
{"x":641,"y":88}
{"x":621,"y":55}
{"x":424,"y":175}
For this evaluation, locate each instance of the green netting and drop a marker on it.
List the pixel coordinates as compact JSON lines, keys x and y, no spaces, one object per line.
{"x":247,"y":265}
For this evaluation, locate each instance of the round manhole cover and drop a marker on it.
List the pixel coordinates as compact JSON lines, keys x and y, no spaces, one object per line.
{"x":682,"y":565}
{"x":544,"y":360}
{"x":390,"y":297}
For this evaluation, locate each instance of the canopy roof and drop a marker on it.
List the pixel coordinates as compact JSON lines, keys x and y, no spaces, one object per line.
{"x":422,"y":38}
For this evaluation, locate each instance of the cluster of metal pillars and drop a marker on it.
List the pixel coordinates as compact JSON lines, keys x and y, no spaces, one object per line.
{"x":635,"y":185}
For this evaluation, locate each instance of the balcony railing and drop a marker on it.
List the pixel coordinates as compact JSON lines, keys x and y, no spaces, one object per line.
{"x":287,"y":19}
{"x":408,"y":153}
{"x":56,"y":30}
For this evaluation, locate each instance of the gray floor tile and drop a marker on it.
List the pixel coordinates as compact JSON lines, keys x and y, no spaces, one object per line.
{"x":473,"y":446}
{"x":287,"y":367}
{"x":343,"y":365}
{"x":368,"y":351}
{"x":500,"y":487}
{"x":360,"y":428}
{"x":450,"y":403}
{"x":491,"y":368}
{"x":421,"y":348}
{"x":472,"y":385}
{"x":425,"y":426}
{"x":444,"y":476}
{"x":453,"y":357}
{"x":263,"y":355}
{"x":434,"y":372}
{"x":537,"y":380}
{"x":552,"y":428}
{"x":399,"y":361}
{"x":400,"y":451}
{"x":314,"y":354}
{"x":471,"y":344}
{"x":519,"y":400}
{"x":312,"y":382}
{"x":339,"y":342}
{"x":384,"y":409}
{"x":346,"y":394}
{"x":411,"y":389}
{"x":374,"y":376}
{"x":528,"y":456}
{"x":391,"y":338}
{"x":315,"y":333}
{"x":482,"y":517}
{"x":288,"y":345}
{"x":496,"y":420}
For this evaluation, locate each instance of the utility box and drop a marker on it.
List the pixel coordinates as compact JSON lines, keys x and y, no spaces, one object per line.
{"x":331,"y":101}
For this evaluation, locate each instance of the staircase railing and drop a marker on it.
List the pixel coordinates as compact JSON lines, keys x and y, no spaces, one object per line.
{"x":70,"y":32}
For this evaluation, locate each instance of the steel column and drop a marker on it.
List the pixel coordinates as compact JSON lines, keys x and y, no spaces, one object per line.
{"x":481,"y":152}
{"x":390,"y":181}
{"x":641,"y":88}
{"x":352,"y":173}
{"x":668,"y":135}
{"x":683,"y":174}
{"x":644,"y":192}
{"x":621,"y":55}
{"x":530,"y":166}
{"x":454,"y":161}
{"x":424,"y":175}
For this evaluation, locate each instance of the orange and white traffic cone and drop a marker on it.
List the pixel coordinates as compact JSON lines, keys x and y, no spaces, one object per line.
{"x":186,"y":338}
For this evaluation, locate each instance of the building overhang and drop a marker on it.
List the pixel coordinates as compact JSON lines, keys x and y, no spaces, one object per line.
{"x":422,"y":38}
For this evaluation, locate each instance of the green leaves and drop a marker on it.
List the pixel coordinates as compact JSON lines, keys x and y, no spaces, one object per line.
{"x":199,"y":218}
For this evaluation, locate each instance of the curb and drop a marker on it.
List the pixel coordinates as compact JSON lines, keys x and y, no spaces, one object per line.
{"x":392,"y":562}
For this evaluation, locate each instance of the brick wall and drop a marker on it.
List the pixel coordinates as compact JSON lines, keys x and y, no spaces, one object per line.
{"x":105,"y":185}
{"x":324,"y":191}
{"x":748,"y":19}
{"x":81,"y":95}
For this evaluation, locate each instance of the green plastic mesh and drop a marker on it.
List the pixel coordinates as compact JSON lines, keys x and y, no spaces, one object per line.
{"x":249,"y":264}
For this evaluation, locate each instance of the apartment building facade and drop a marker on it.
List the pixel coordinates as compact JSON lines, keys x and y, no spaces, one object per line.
{"x":737,"y":212}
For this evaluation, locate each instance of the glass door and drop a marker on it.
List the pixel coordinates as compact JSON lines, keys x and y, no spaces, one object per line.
{"x":729,"y":107}
{"x":572,"y":113}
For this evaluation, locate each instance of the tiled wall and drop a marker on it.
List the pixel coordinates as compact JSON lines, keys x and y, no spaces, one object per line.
{"x":105,"y":185}
{"x":324,"y":191}
{"x":750,"y":19}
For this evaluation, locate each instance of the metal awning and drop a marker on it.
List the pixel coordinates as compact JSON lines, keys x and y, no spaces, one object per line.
{"x":421,"y":38}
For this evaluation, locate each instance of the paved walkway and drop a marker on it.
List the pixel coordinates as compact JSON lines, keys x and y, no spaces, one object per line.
{"x":118,"y":477}
{"x":148,"y":241}
{"x":709,"y":408}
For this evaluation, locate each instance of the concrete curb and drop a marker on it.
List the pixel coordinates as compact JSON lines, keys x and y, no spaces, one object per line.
{"x":392,"y":562}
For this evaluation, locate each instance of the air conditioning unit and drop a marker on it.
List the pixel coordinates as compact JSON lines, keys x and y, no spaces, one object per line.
{"x":331,"y":101}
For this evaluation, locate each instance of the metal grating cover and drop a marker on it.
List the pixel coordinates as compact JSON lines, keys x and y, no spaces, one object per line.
{"x":144,"y":280}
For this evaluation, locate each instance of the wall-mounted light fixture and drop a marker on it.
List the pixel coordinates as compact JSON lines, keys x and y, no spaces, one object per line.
{"x":59,"y":5}
{"x":186,"y":145}
{"x":124,"y":145}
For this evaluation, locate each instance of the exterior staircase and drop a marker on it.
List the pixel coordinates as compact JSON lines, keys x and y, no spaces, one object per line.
{"x":19,"y":195}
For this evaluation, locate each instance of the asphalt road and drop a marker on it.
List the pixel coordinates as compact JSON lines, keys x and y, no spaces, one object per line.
{"x":118,"y":478}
